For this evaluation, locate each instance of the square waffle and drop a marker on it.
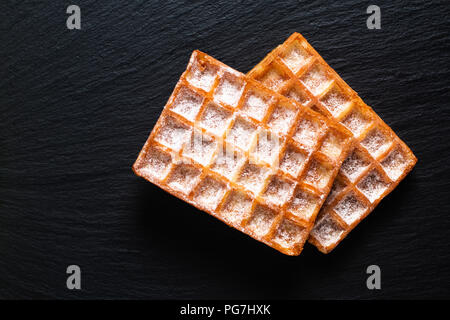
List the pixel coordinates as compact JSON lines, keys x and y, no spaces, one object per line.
{"x":252,"y":158}
{"x":378,"y":161}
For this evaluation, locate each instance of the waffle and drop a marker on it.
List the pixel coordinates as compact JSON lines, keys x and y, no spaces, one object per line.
{"x":248,"y":156}
{"x":378,"y":160}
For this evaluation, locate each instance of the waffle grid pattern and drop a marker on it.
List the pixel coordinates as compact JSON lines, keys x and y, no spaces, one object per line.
{"x":378,"y":159}
{"x":266,"y":163}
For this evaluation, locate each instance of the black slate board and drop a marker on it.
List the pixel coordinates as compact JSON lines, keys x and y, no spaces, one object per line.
{"x":76,"y":107}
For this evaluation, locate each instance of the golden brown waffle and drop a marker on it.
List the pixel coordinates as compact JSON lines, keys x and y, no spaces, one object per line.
{"x":246,"y":155}
{"x":379,"y":159}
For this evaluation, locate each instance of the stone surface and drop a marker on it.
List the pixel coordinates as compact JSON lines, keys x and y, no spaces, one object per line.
{"x":76,"y":107}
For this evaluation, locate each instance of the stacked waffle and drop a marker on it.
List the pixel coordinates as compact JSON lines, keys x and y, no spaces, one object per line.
{"x":262,"y":151}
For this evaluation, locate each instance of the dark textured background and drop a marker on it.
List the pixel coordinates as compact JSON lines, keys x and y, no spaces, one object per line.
{"x":77,"y":106}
